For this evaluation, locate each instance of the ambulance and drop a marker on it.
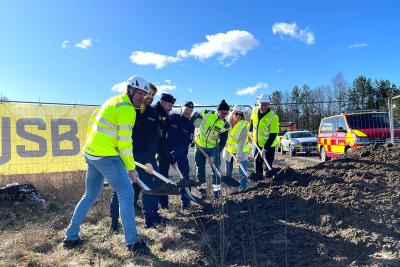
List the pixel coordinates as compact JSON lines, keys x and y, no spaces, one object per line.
{"x":346,"y":132}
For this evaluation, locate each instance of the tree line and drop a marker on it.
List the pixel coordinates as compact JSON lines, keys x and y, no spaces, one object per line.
{"x":306,"y":107}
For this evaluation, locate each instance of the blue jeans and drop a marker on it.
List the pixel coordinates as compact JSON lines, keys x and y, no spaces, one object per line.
{"x":149,"y":202}
{"x":243,"y":177}
{"x":201,"y":165}
{"x":117,"y":176}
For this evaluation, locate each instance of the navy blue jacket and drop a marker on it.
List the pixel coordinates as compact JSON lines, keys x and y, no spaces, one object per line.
{"x":180,"y":135}
{"x":145,"y":135}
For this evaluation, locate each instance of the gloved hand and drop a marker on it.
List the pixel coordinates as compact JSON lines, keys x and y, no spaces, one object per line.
{"x":172,"y":157}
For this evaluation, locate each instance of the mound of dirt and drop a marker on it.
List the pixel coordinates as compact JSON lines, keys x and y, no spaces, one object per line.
{"x":342,"y":212}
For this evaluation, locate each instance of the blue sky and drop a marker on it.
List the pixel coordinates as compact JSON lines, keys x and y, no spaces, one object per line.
{"x":77,"y":51}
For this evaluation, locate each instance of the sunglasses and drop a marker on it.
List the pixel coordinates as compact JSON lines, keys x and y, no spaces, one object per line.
{"x":238,"y":114}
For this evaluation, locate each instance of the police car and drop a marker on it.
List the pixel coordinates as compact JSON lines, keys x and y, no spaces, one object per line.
{"x":299,"y":142}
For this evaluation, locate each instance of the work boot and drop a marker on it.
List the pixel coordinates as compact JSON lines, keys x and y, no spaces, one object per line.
{"x":203,"y":193}
{"x":139,"y":247}
{"x":72,"y":243}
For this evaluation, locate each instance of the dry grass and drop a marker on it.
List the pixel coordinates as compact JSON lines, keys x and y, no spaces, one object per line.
{"x":31,"y":233}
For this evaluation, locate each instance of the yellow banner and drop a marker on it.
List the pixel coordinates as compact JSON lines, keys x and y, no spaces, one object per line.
{"x":38,"y":138}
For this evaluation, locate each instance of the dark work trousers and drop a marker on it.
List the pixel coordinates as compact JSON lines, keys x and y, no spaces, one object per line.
{"x":149,"y":202}
{"x":183,"y":165}
{"x":259,"y":162}
{"x":163,"y":161}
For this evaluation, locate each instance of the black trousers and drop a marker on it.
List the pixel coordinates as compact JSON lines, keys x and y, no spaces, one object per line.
{"x":259,"y":162}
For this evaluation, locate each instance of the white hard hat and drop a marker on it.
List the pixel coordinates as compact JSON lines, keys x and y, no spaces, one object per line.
{"x":238,"y":108}
{"x":264,"y":98}
{"x":138,"y":83}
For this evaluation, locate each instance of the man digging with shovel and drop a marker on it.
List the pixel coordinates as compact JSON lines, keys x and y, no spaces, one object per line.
{"x":210,"y":141}
{"x":264,"y":128}
{"x":108,"y":153}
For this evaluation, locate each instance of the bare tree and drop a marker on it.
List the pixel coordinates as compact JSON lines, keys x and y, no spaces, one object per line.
{"x":340,"y":89}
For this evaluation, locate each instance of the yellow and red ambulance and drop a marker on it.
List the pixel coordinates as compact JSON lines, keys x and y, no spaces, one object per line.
{"x":345,"y":132}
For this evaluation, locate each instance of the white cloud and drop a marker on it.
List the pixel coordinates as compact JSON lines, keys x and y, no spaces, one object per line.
{"x":65,"y":44}
{"x":293,"y":31}
{"x":120,"y":87}
{"x":150,"y":58}
{"x":84,"y":44}
{"x":230,"y":45}
{"x":168,"y":81}
{"x":227,"y":46}
{"x":359,"y":45}
{"x":251,"y":90}
{"x":190,"y":90}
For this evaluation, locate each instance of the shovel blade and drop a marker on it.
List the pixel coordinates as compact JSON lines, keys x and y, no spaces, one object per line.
{"x":230,"y":181}
{"x":187,"y":183}
{"x":207,"y":207}
{"x":255,"y":177}
{"x":166,"y":189}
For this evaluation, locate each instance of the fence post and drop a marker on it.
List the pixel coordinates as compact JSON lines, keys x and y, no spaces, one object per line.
{"x":391,"y":120}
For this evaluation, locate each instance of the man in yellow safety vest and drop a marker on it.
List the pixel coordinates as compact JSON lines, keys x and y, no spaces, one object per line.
{"x":108,"y":153}
{"x":211,"y":138}
{"x":264,"y":125}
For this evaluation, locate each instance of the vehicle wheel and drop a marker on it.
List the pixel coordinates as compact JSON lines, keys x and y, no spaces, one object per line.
{"x":323,"y":155}
{"x":292,"y":151}
{"x":282,"y":151}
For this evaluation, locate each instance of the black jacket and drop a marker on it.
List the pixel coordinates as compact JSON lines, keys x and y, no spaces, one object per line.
{"x":145,"y":135}
{"x":163,"y":119}
{"x":180,"y":134}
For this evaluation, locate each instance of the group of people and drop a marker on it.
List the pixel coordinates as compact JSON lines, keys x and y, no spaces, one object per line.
{"x":128,"y":129}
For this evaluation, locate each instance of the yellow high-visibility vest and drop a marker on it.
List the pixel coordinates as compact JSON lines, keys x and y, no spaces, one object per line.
{"x":232,"y":144}
{"x":210,"y":129}
{"x":262,"y":128}
{"x":110,"y":130}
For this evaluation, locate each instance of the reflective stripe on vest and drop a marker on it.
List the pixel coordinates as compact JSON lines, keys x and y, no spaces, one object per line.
{"x":261,"y":128}
{"x":232,"y":144}
{"x":210,"y":129}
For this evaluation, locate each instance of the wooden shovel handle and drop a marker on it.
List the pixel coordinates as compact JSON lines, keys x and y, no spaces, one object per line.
{"x":156,"y":174}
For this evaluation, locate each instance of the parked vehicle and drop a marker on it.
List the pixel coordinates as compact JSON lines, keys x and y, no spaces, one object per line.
{"x":346,"y":132}
{"x":299,"y":142}
{"x":283,"y":128}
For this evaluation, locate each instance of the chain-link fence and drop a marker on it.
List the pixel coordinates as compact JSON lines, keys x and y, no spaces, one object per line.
{"x":48,"y":137}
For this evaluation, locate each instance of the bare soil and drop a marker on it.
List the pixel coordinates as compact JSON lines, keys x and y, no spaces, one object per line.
{"x":343,"y":212}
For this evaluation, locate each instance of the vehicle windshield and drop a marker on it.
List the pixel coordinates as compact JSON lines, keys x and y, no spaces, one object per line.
{"x":301,"y":135}
{"x":368,"y":121}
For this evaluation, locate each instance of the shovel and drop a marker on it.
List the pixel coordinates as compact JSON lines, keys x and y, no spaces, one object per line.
{"x":240,"y":164}
{"x":168,"y":188}
{"x":228,"y":180}
{"x":205,"y":205}
{"x":254,"y":176}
